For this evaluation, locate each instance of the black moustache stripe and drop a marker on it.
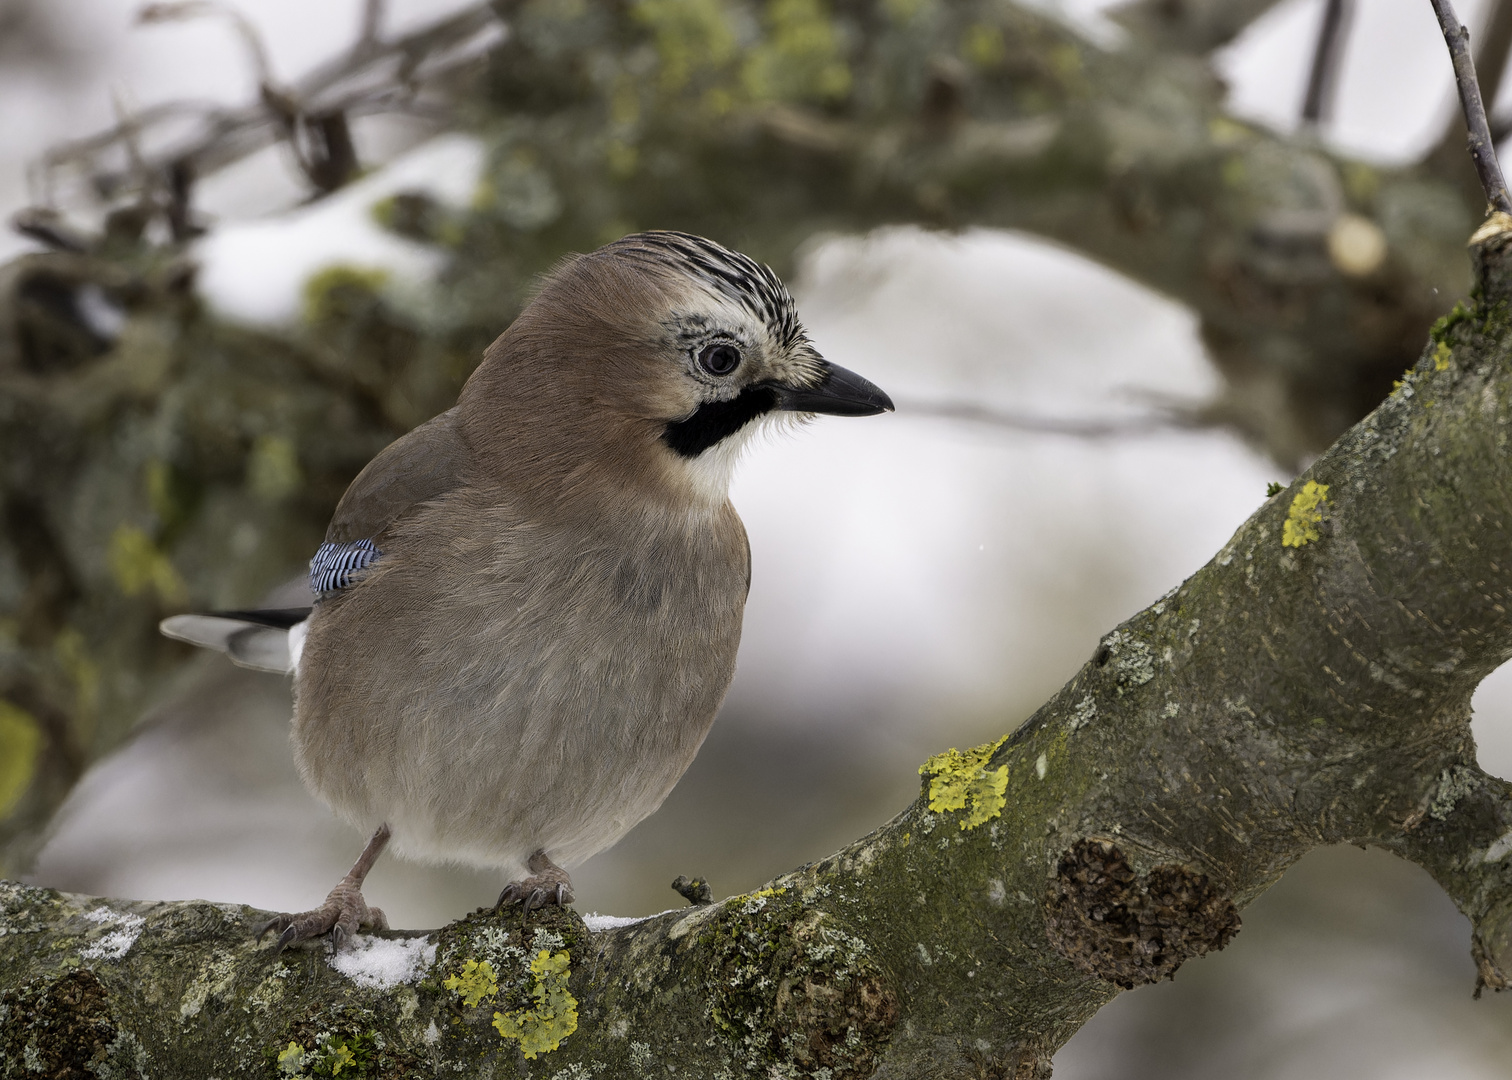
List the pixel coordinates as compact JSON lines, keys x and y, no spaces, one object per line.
{"x":715,"y":421}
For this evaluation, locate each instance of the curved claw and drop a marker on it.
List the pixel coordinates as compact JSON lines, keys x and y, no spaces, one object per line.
{"x":548,"y":884}
{"x":344,"y":911}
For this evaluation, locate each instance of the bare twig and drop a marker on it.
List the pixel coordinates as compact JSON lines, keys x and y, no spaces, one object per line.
{"x":372,"y":24}
{"x":1322,"y":80}
{"x":383,"y":76}
{"x":1170,"y":419}
{"x":193,"y":9}
{"x":1482,"y":149}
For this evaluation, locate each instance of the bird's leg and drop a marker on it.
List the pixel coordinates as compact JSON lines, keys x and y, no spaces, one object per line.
{"x":548,"y":883}
{"x":344,"y":909}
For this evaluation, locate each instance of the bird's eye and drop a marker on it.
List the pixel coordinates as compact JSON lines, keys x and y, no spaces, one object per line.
{"x":720,"y":359}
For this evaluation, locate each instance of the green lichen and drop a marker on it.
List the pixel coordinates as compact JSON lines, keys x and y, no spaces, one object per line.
{"x":1454,"y":784}
{"x":291,"y":1059}
{"x":961,"y":780}
{"x":542,"y":1028}
{"x":138,"y":566}
{"x":341,"y":1057}
{"x":693,"y":38}
{"x":795,"y":992}
{"x":1441,"y":357}
{"x":1439,"y":332}
{"x":20,"y":744}
{"x":475,"y":982}
{"x":1305,"y":515}
{"x":339,"y":292}
{"x":802,"y":58}
{"x":1133,"y":659}
{"x":982,"y":45}
{"x":752,"y":902}
{"x":331,"y":1055}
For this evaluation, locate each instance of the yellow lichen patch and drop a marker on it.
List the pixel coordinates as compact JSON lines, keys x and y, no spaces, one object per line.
{"x":960,"y":780}
{"x":542,"y":1028}
{"x":475,"y":982}
{"x":341,"y":1057}
{"x":983,"y":45}
{"x":1441,"y":357}
{"x":291,"y":1059}
{"x":1305,"y":515}
{"x":752,"y":902}
{"x":340,"y":289}
{"x":137,"y":565}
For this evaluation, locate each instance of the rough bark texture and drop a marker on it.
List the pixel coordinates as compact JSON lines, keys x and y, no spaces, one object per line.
{"x":1310,"y":685}
{"x":158,"y":459}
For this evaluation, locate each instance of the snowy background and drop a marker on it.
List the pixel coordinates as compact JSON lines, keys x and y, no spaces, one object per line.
{"x":918,"y":583}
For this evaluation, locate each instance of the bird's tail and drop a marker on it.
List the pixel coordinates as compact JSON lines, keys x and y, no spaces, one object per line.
{"x":261,"y":640}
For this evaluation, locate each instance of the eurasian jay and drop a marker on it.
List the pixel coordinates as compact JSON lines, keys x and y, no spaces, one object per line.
{"x":527,"y":609}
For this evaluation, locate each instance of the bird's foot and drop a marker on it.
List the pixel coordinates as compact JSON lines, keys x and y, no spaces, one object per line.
{"x":548,"y":884}
{"x":343,"y":912}
{"x":344,"y":909}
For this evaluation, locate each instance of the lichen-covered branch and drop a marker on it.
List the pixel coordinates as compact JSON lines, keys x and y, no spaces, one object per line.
{"x":1310,"y":685}
{"x":153,"y":458}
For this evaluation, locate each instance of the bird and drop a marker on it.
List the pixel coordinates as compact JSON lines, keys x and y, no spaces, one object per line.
{"x":527,"y":609}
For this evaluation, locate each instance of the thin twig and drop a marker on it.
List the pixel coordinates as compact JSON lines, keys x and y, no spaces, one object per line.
{"x":386,"y":78}
{"x":1482,"y":149}
{"x":372,"y":24}
{"x":183,"y":10}
{"x":1323,"y":77}
{"x":1088,"y":428}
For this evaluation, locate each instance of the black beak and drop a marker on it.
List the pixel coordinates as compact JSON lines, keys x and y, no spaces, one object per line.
{"x":842,"y":393}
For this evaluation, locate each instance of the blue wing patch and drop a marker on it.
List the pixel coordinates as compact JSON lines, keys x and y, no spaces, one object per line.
{"x":334,"y":564}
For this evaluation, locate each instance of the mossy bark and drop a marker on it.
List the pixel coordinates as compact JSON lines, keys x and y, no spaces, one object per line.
{"x":175,"y":462}
{"x":1310,"y":685}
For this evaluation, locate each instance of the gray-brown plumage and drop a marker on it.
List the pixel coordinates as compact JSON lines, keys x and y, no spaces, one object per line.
{"x":529,"y":607}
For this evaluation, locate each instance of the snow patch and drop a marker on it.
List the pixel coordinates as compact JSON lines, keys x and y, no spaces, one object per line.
{"x":125,"y":928}
{"x":596,"y":922}
{"x":255,"y":271}
{"x":380,"y":963}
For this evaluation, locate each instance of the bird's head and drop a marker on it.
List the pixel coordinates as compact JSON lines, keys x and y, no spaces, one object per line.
{"x":662,"y":353}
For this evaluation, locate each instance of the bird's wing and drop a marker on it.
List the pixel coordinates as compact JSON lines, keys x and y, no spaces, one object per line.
{"x":416,"y":468}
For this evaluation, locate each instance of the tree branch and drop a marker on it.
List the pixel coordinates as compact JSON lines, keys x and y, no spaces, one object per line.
{"x":1310,"y":685}
{"x":1314,"y":277}
{"x":374,"y":76}
{"x":1322,"y":76}
{"x":1192,"y":26}
{"x":1482,"y":149}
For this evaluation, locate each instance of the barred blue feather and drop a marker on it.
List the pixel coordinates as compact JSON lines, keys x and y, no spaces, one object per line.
{"x":334,"y":564}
